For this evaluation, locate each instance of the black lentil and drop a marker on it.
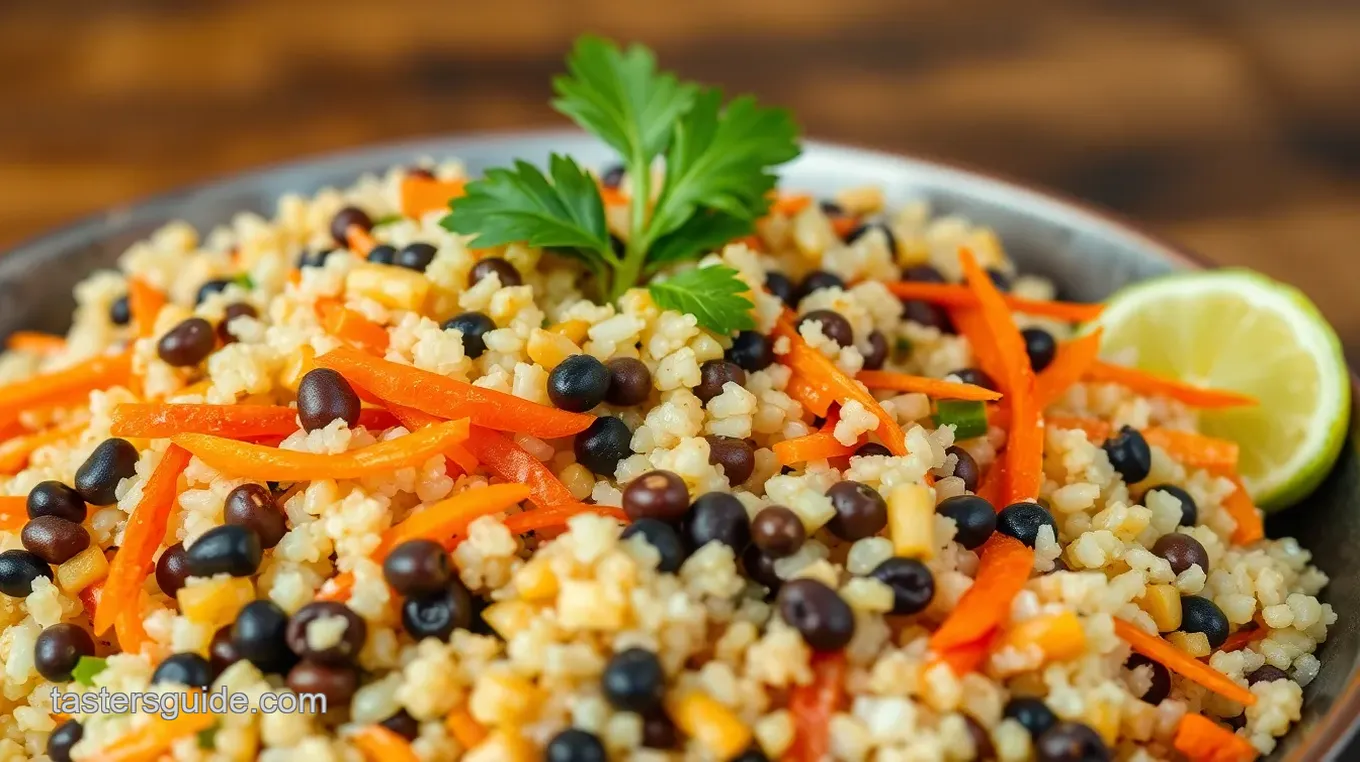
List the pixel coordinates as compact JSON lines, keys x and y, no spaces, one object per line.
{"x":253,"y":506}
{"x":1023,"y":521}
{"x":834,"y":326}
{"x":1129,"y":454}
{"x":778,"y":531}
{"x":751,"y":351}
{"x":418,"y":567}
{"x":188,"y":343}
{"x":714,"y":374}
{"x":663,"y":538}
{"x":439,"y":614}
{"x":66,"y":735}
{"x":111,"y":461}
{"x":1040,"y":346}
{"x":259,"y":635}
{"x":634,"y":681}
{"x":503,"y":270}
{"x":718,"y":517}
{"x":120,"y":311}
{"x":816,"y":281}
{"x":974,"y":517}
{"x":658,"y":495}
{"x":230,"y":313}
{"x":337,"y":682}
{"x":780,"y":285}
{"x":172,"y":569}
{"x":1181,"y":551}
{"x":736,"y":456}
{"x":343,"y":219}
{"x":1032,"y":714}
{"x":578,"y":383}
{"x":630,"y":382}
{"x":819,"y":614}
{"x":53,"y":539}
{"x":344,"y":651}
{"x":603,"y":444}
{"x":1189,"y":511}
{"x":1203,"y":615}
{"x":878,"y":351}
{"x":18,"y":570}
{"x":184,"y":669}
{"x":58,"y":649}
{"x":912,"y":583}
{"x":1266,"y":673}
{"x":1159,"y":687}
{"x":860,"y":511}
{"x":575,"y":745}
{"x":227,"y":549}
{"x":382,"y":254}
{"x":965,"y":467}
{"x":473,"y":326}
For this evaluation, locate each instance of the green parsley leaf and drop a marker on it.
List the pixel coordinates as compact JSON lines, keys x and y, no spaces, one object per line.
{"x":620,"y":97}
{"x":720,"y":159}
{"x":522,"y":205}
{"x":700,"y":234}
{"x":387,"y":219}
{"x":86,"y":668}
{"x":714,"y":295}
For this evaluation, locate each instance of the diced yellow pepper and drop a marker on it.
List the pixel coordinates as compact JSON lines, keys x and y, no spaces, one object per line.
{"x":296,"y":366}
{"x":573,"y":329}
{"x":215,"y":602}
{"x":83,"y":569}
{"x":390,"y":286}
{"x":502,"y":698}
{"x":508,"y":617}
{"x":578,"y":480}
{"x":1059,"y":636}
{"x":1103,"y":717}
{"x":1194,"y":643}
{"x":1163,"y":604}
{"x":987,"y":248}
{"x":911,"y":521}
{"x":536,"y":580}
{"x":549,"y":349}
{"x":716,"y":727}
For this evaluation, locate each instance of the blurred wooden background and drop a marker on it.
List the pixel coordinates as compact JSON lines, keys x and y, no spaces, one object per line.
{"x":1232,"y":126}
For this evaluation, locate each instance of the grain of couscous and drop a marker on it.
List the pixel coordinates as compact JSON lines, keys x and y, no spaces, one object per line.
{"x":496,"y":501}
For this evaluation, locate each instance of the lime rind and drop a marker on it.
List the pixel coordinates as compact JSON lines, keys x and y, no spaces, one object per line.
{"x":1240,"y":330}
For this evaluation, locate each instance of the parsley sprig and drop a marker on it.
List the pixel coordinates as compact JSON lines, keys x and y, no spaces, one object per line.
{"x":719,"y":160}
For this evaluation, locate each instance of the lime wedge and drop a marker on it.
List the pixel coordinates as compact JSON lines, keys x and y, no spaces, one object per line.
{"x":1239,"y":330}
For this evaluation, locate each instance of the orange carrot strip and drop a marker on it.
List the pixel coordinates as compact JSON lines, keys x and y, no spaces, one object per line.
{"x":61,"y":385}
{"x":931,"y":387}
{"x":337,"y":588}
{"x":90,"y":596}
{"x":1024,"y":453}
{"x":1244,"y":637}
{"x":1182,"y":663}
{"x":812,"y":397}
{"x":812,"y":706}
{"x":790,"y":204}
{"x":382,"y":745}
{"x":1005,"y":567}
{"x":461,"y":457}
{"x":251,"y":461}
{"x":968,"y":657}
{"x":816,"y":369}
{"x":1194,"y":449}
{"x":818,"y":446}
{"x":13,"y":513}
{"x":145,"y":302}
{"x":360,"y":240}
{"x":143,"y":535}
{"x":1250,"y":526}
{"x":450,"y":517}
{"x":421,"y":195}
{"x":444,"y":397}
{"x":352,"y":327}
{"x":1143,"y":382}
{"x":150,"y":420}
{"x":613,"y":196}
{"x":993,"y":485}
{"x":1073,"y":360}
{"x":959,"y":296}
{"x":127,"y":625}
{"x":753,"y":242}
{"x":533,"y":521}
{"x":986,"y":356}
{"x":148,"y":742}
{"x":507,"y":460}
{"x":844,"y":226}
{"x":1095,"y":429}
{"x":35,"y":342}
{"x":465,"y":728}
{"x":14,"y":454}
{"x":1201,"y":739}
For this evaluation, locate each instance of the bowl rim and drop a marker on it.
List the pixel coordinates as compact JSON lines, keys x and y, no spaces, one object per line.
{"x":1325,"y":740}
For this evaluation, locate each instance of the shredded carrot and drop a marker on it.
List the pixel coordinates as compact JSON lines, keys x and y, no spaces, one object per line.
{"x":931,"y":387}
{"x":1002,"y":572}
{"x":812,"y":706}
{"x":613,"y":196}
{"x":360,"y":240}
{"x":1073,"y":360}
{"x":535,"y":521}
{"x":143,"y":535}
{"x":1182,"y":663}
{"x":337,"y":588}
{"x":968,"y":321}
{"x":465,"y":728}
{"x":820,"y":445}
{"x":1095,"y":429}
{"x":753,"y":242}
{"x":63,"y":385}
{"x":993,"y":485}
{"x":154,"y":420}
{"x":251,"y":461}
{"x":148,"y":742}
{"x":461,"y":457}
{"x":1194,"y":449}
{"x":352,"y":327}
{"x":422,"y":195}
{"x":507,"y":460}
{"x":959,"y":296}
{"x":450,"y":517}
{"x":14,"y":454}
{"x":817,"y":370}
{"x":145,"y":302}
{"x":13,"y":513}
{"x":1024,"y":453}
{"x":382,"y":745}
{"x":812,"y":397}
{"x":1244,"y":637}
{"x":968,"y":657}
{"x":844,"y":226}
{"x":1143,"y":382}
{"x":127,"y":625}
{"x":447,"y":398}
{"x":1239,"y":505}
{"x":35,"y":342}
{"x":1201,"y":739}
{"x":790,"y":204}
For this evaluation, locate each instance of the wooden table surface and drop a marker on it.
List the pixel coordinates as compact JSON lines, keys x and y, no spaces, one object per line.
{"x":1232,"y":126}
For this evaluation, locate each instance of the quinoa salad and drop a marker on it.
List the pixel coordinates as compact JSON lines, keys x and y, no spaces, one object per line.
{"x":753,"y":475}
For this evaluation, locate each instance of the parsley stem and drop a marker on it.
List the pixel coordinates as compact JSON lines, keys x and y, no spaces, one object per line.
{"x":628,"y":271}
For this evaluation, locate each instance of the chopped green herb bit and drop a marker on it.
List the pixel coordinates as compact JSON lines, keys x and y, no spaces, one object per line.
{"x":87,"y":668}
{"x":969,"y":419}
